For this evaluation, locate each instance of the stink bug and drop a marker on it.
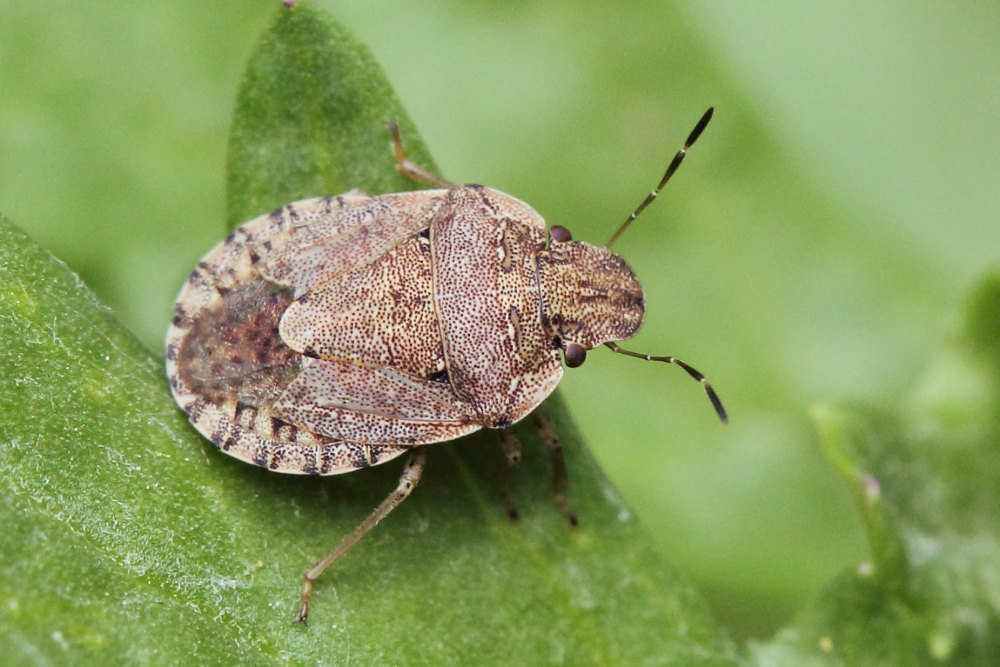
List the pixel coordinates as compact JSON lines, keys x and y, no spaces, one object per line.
{"x":336,"y":333}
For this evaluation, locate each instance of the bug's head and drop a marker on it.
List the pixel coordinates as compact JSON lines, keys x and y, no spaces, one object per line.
{"x":590,"y":296}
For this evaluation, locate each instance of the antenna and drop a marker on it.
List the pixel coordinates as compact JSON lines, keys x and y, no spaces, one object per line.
{"x":671,"y":168}
{"x":712,"y":396}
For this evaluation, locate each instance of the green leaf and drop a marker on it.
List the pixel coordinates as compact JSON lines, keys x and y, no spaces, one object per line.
{"x":311,"y":120}
{"x":106,"y":505}
{"x":129,"y":538}
{"x":925,"y":483}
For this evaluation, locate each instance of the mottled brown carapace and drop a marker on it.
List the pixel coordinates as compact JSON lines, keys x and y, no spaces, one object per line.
{"x":336,"y":333}
{"x":370,"y":325}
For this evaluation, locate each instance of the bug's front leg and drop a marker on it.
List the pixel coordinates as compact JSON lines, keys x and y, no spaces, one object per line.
{"x":512,"y":450}
{"x":511,"y":446}
{"x":407,"y":482}
{"x":560,"y":479}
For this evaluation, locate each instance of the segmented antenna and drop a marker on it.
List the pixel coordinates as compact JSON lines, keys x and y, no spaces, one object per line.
{"x":671,"y":168}
{"x":712,"y":396}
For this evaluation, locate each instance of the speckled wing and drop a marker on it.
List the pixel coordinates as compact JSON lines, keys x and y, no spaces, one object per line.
{"x":381,"y":314}
{"x":373,"y":405}
{"x":313,"y":241}
{"x":227,"y":364}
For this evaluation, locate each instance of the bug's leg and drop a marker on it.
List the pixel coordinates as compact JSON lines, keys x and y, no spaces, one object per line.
{"x":560,"y":480}
{"x":411,"y":169}
{"x":511,"y":446}
{"x":512,"y":450}
{"x":407,"y":481}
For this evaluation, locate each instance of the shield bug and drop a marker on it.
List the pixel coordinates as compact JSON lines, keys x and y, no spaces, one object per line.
{"x":337,"y":333}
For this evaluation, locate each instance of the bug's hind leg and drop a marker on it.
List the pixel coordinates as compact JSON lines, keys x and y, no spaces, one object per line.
{"x":560,"y":479}
{"x":407,"y":482}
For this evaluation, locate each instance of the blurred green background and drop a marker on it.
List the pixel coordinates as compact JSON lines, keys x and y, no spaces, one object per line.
{"x":816,"y":247}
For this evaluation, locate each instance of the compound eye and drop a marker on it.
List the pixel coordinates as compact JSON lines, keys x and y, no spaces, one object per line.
{"x":560,"y":234}
{"x":574,"y":355}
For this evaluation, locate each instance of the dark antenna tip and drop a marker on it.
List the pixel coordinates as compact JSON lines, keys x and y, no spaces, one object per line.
{"x":717,"y":404}
{"x":699,"y":128}
{"x":690,"y":370}
{"x":671,"y":168}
